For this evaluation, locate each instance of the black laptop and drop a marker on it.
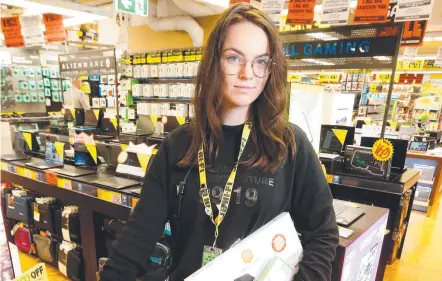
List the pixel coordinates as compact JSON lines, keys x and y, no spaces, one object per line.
{"x":72,"y":171}
{"x":116,"y":182}
{"x":14,"y":157}
{"x":52,"y":159}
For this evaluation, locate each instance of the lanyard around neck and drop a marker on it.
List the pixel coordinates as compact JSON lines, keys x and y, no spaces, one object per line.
{"x":225,"y":198}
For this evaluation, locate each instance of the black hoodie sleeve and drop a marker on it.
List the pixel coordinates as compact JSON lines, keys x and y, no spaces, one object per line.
{"x":313,"y":214}
{"x":144,"y":227}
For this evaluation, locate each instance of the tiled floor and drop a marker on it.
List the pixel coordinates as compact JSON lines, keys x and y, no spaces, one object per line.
{"x":422,"y":255}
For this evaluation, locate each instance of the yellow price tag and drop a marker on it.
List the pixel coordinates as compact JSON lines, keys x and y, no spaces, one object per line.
{"x":329,"y":178}
{"x":410,"y":65}
{"x":4,"y":166}
{"x":385,"y":78}
{"x":64,"y":183}
{"x":29,"y":174}
{"x":21,"y":171}
{"x":382,"y":150}
{"x":109,"y":196}
{"x":294,"y":78}
{"x":329,"y":78}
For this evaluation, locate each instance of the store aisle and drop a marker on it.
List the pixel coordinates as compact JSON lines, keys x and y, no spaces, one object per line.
{"x":422,"y":255}
{"x":27,"y":262}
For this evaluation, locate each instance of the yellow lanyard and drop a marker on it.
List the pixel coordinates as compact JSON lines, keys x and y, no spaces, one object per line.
{"x":225,"y":198}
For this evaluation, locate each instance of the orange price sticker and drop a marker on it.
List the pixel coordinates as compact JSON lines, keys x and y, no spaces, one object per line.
{"x":383,"y":150}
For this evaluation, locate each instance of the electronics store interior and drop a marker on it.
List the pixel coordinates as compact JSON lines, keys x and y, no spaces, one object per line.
{"x":90,"y":89}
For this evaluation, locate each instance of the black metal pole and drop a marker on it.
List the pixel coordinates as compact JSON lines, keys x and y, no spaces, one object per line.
{"x":393,"y":73}
{"x":117,"y":95}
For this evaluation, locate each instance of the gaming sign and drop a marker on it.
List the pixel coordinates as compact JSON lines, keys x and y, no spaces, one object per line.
{"x":87,"y":64}
{"x":348,"y":48}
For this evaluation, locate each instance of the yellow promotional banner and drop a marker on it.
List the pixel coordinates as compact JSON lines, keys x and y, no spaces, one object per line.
{"x":72,"y":110}
{"x":124,"y":147}
{"x":329,"y":78}
{"x":28,"y":139}
{"x":144,"y":160}
{"x":64,"y":183}
{"x":340,"y":134}
{"x":393,"y":124}
{"x":410,"y":65}
{"x":92,"y":151}
{"x":154,"y":151}
{"x":294,"y":78}
{"x":36,"y":273}
{"x":59,"y":147}
{"x":181,"y":120}
{"x":96,"y":113}
{"x":20,"y":171}
{"x":114,"y":122}
{"x":154,"y":119}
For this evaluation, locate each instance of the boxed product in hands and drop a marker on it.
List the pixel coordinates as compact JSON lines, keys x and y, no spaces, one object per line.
{"x":273,"y":252}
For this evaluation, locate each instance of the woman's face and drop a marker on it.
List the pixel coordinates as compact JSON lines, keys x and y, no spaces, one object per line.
{"x":244,"y":42}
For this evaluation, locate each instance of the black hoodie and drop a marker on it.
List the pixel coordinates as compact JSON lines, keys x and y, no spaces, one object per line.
{"x":299,"y":188}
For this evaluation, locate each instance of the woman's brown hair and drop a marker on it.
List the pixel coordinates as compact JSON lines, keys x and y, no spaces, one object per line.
{"x":271,"y":134}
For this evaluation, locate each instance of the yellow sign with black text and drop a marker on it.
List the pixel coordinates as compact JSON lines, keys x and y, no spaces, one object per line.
{"x":329,"y":78}
{"x":36,"y":273}
{"x":410,"y":65}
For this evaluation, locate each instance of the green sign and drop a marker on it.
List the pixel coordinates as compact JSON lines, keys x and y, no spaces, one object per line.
{"x":136,"y":7}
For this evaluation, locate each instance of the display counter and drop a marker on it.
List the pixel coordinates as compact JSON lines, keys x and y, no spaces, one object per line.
{"x":93,"y":199}
{"x":358,"y":256}
{"x":396,"y":195}
{"x":429,"y":188}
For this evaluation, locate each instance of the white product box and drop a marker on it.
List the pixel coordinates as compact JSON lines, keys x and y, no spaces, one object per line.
{"x":103,"y":79}
{"x":155,"y":109}
{"x":137,"y":90}
{"x":164,"y":90}
{"x":156,"y":90}
{"x":173,"y":72}
{"x":162,"y":71}
{"x":164,"y":110}
{"x":167,"y":70}
{"x":154,"y":70}
{"x":131,"y":113}
{"x":110,"y":101}
{"x":191,"y":111}
{"x":173,"y":89}
{"x":180,"y":70}
{"x":102,"y":102}
{"x":181,"y":90}
{"x":111,"y":79}
{"x":140,"y":109}
{"x":189,"y":90}
{"x":270,"y":253}
{"x":189,"y":72}
{"x":95,"y":102}
{"x":129,"y":127}
{"x":186,"y":69}
{"x":182,"y":109}
{"x":125,"y":84}
{"x":148,"y":90}
{"x":196,"y":65}
{"x":145,"y":72}
{"x":137,"y":71}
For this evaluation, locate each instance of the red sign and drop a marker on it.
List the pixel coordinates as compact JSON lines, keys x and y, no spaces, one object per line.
{"x":55,"y":31}
{"x":301,"y":12}
{"x":372,"y":11}
{"x":413,"y":33}
{"x":233,"y":2}
{"x":11,"y":29}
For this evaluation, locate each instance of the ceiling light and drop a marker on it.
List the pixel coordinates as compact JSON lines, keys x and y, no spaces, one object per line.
{"x":75,"y":21}
{"x":322,"y":36}
{"x":38,"y":8}
{"x":318,"y":61}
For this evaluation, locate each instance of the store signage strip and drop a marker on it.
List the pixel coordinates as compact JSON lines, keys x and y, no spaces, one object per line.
{"x":414,"y":10}
{"x":301,"y":12}
{"x":335,"y":12}
{"x":369,"y":11}
{"x":361,"y":47}
{"x":55,"y":31}
{"x":88,"y":64}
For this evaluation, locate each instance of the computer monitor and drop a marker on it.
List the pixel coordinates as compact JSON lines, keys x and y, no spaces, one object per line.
{"x":334,"y":138}
{"x":51,"y":154}
{"x":145,"y":125}
{"x":90,"y":119}
{"x":400,"y":151}
{"x":82,"y":157}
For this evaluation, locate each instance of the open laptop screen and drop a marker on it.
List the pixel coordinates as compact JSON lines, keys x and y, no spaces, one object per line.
{"x":51,"y":154}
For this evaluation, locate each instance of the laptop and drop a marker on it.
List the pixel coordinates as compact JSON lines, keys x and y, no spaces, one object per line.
{"x":91,"y":121}
{"x":52,"y":159}
{"x":145,"y":126}
{"x":334,"y":139}
{"x":116,"y":182}
{"x":72,"y":171}
{"x":346,"y":214}
{"x":14,"y":157}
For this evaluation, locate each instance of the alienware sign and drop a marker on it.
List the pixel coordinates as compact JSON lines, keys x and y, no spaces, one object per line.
{"x":361,"y":47}
{"x":88,"y":64}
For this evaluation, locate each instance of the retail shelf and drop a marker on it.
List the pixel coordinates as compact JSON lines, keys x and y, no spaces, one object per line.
{"x":163,"y":100}
{"x":166,"y":80}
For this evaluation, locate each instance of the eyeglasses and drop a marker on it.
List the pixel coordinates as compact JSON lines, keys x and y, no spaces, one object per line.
{"x":233,"y":64}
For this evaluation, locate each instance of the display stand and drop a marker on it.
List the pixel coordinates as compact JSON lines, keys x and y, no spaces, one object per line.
{"x":359,"y":47}
{"x":99,"y":66}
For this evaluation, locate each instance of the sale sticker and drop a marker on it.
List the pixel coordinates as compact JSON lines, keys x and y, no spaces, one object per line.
{"x":371,"y":11}
{"x":382,"y":150}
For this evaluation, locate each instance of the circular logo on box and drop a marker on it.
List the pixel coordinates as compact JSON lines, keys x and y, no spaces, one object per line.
{"x":247,"y":256}
{"x":278,"y":243}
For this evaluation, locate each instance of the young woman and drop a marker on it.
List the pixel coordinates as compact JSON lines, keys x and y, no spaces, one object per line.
{"x":240,"y":106}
